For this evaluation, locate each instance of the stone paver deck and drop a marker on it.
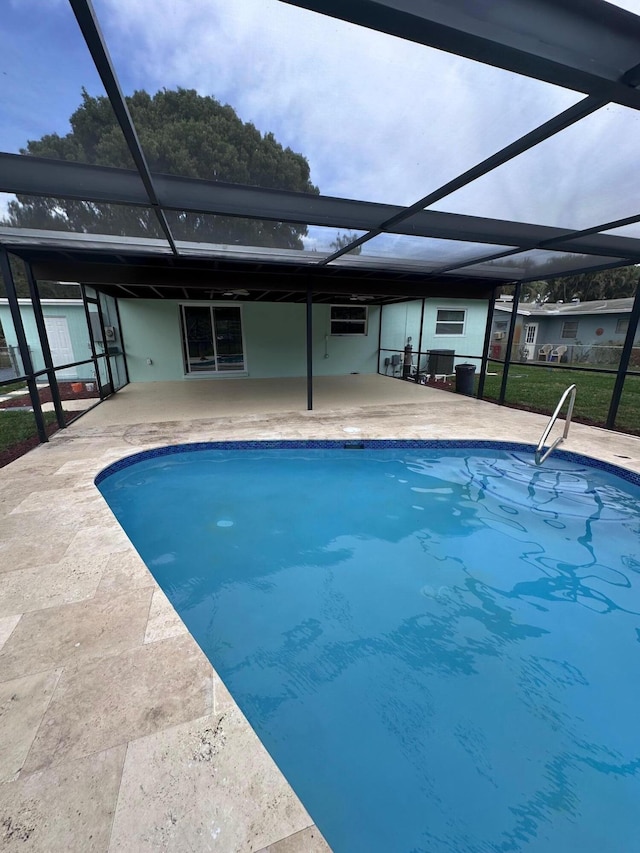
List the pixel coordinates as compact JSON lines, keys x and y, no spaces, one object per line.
{"x":115,"y":732}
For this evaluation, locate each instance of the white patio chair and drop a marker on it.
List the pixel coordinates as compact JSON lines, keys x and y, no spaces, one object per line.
{"x":557,"y":353}
{"x":543,"y":352}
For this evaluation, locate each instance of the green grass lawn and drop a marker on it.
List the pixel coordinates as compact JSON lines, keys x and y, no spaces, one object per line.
{"x":17,"y":426}
{"x":540,"y":388}
{"x":12,"y":386}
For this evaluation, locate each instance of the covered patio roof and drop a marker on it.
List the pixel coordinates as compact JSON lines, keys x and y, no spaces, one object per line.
{"x":462,"y":237}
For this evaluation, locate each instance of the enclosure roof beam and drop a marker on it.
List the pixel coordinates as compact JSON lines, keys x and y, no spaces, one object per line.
{"x":60,"y":179}
{"x":92,"y":34}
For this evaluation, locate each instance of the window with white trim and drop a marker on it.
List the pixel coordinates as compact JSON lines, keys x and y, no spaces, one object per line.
{"x":450,"y":321}
{"x":622,"y":326}
{"x":569,"y":329}
{"x":349,"y":319}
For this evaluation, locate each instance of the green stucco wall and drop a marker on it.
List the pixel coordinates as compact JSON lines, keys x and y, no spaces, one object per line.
{"x":76,"y":325}
{"x":151,"y":330}
{"x":402,"y":320}
{"x":274,"y":335}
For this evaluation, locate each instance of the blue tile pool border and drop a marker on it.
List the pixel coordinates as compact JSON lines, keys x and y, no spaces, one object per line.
{"x":362,"y":444}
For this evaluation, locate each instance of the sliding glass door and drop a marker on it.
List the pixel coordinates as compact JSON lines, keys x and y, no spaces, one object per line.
{"x":212,"y":339}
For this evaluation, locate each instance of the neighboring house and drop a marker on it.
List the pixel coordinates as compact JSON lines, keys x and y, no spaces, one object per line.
{"x":66,"y":326}
{"x":588,"y":332}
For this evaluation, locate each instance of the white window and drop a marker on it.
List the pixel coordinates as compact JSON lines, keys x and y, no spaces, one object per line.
{"x":349,"y":319}
{"x":450,"y":321}
{"x":569,"y":329}
{"x":212,"y":339}
{"x":622,"y":326}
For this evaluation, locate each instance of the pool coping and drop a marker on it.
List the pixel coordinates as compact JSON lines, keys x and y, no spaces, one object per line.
{"x":363,"y":444}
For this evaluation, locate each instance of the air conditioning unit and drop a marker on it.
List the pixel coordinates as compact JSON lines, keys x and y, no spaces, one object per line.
{"x":110,"y":333}
{"x":498,"y":336}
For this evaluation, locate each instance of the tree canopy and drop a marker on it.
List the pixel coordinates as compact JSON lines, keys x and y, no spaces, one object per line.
{"x":343,"y":240}
{"x":587,"y":287}
{"x":606,"y":284}
{"x":181,"y":133}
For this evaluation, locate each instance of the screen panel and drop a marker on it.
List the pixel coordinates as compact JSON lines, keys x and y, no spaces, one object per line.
{"x":53,"y":102}
{"x":310,"y":101}
{"x":536,"y":263}
{"x":580,"y":178}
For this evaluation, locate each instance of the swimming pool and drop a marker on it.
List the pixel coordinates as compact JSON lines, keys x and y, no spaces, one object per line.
{"x":436,"y":641}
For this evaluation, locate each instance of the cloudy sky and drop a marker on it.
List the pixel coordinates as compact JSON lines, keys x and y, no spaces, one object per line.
{"x":377,"y":118}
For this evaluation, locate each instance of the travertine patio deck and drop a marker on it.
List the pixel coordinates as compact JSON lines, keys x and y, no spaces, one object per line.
{"x":116,"y":734}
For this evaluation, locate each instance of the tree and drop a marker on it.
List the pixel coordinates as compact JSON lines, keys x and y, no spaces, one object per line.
{"x":587,"y":287}
{"x":46,"y":289}
{"x":343,"y":240}
{"x":181,"y":133}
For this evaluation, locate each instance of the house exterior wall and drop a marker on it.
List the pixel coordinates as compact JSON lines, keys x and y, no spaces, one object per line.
{"x":399,"y":322}
{"x":467,"y":346}
{"x":151,"y":330}
{"x":550,"y":330}
{"x":402,"y":320}
{"x":72,"y":311}
{"x":586,"y":347}
{"x":274,"y":340}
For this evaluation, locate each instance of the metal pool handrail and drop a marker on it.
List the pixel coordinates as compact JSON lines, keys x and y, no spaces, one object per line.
{"x":540,"y":455}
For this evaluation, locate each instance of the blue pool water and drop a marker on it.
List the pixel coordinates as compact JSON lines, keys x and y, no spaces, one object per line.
{"x":440,"y":646}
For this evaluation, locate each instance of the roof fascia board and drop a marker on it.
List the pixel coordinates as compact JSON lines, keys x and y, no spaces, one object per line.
{"x":207,"y":279}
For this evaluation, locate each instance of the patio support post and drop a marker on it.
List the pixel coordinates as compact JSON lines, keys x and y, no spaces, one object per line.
{"x":487,"y":343}
{"x":92,"y":345}
{"x":380,"y":336}
{"x":122,"y":347}
{"x":23,"y":346}
{"x":107,"y":360}
{"x":624,"y":360}
{"x":309,"y":348}
{"x":512,"y":330}
{"x":420,"y":341}
{"x":44,"y":343}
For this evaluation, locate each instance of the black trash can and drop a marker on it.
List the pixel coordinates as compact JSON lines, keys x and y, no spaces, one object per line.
{"x":465,"y":377}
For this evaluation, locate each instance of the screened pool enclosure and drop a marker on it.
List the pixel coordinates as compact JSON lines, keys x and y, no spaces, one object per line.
{"x":150,"y":152}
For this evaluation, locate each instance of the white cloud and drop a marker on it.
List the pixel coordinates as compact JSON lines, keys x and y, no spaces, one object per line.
{"x":377,"y":118}
{"x":584,"y":176}
{"x":629,"y":5}
{"x":5,"y":198}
